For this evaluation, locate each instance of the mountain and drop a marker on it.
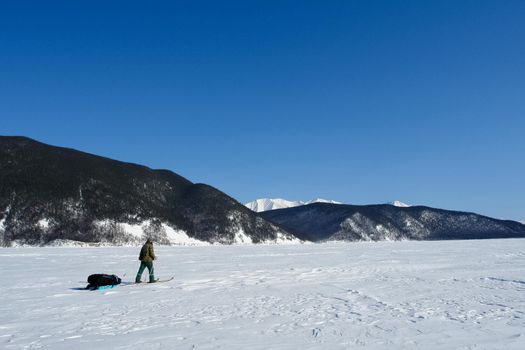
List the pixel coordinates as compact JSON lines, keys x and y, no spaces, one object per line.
{"x":265,"y":204}
{"x":322,"y":221}
{"x":321,"y":200}
{"x":398,"y":204}
{"x":53,"y":194}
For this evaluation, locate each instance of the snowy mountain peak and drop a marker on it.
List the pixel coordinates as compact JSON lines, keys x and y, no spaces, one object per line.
{"x":321,"y":200}
{"x":399,"y":204}
{"x":265,"y":204}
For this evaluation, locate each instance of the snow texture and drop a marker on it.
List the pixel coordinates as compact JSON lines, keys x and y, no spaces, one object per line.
{"x":265,"y":204}
{"x":2,"y":221}
{"x":383,"y":295}
{"x":137,"y":233}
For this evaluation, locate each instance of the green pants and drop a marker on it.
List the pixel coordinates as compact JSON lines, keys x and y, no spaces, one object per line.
{"x":143,"y":265}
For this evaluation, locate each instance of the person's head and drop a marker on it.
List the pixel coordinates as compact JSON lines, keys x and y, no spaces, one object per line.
{"x":149,"y":241}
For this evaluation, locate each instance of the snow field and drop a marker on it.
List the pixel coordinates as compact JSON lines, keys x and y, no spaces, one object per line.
{"x":382,"y":295}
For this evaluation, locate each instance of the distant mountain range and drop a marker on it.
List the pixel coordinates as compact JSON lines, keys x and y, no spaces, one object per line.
{"x":265,"y":204}
{"x":52,"y":194}
{"x":323,"y":221}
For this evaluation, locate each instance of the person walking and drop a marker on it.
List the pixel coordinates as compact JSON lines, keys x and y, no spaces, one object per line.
{"x":146,"y":257}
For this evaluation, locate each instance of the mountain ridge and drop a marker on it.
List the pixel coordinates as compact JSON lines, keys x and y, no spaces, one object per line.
{"x":51,"y":194}
{"x":264,"y":204}
{"x":323,"y":221}
{"x":89,"y":198}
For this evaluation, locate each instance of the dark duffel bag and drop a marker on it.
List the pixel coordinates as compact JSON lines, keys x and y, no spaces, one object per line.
{"x":100,"y":279}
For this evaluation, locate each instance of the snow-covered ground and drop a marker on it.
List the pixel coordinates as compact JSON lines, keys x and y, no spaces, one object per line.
{"x":387,"y":295}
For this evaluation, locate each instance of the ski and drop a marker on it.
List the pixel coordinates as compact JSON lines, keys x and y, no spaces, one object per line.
{"x":156,"y":281}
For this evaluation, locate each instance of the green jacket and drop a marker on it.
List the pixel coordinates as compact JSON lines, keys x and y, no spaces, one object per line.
{"x":146,"y":253}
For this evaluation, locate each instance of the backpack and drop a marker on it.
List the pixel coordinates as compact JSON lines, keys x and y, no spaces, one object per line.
{"x":99,"y":279}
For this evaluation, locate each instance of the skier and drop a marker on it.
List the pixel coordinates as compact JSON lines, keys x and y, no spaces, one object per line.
{"x":146,"y":257}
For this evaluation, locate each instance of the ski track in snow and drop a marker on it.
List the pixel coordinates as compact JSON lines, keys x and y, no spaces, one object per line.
{"x":387,"y":295}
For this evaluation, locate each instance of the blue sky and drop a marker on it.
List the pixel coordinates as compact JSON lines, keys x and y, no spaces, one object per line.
{"x":357,"y":101}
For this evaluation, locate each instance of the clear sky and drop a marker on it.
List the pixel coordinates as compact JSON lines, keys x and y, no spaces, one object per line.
{"x":357,"y":101}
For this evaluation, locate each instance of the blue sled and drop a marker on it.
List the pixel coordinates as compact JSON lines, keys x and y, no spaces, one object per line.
{"x":107,"y":287}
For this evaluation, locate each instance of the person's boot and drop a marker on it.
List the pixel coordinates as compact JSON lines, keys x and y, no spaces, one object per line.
{"x":152,"y":279}
{"x":151,"y":273}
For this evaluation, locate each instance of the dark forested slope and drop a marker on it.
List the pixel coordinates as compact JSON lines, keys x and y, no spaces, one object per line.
{"x":49,"y":193}
{"x":323,"y":221}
